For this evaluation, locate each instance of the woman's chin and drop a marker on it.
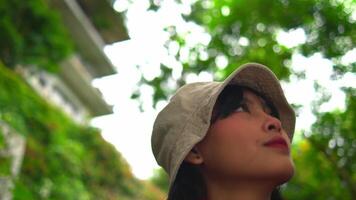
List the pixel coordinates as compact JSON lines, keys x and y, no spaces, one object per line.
{"x":285,"y":174}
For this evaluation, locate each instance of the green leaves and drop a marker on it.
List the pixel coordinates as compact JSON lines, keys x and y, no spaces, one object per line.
{"x":160,"y":179}
{"x":62,"y":160}
{"x":32,"y":34}
{"x":247,"y":31}
{"x":315,"y":176}
{"x":325,"y":160}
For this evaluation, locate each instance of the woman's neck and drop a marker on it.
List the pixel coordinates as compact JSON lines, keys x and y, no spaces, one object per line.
{"x":242,"y":190}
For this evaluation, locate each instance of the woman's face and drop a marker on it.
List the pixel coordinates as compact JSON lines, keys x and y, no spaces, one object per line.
{"x":247,"y":144}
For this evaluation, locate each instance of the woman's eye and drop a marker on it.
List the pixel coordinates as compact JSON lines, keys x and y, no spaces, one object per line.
{"x":239,"y":109}
{"x":268,"y":110}
{"x":242,"y":108}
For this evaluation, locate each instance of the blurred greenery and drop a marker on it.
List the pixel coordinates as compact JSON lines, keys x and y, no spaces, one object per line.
{"x":324,"y":160}
{"x":63,"y":160}
{"x":32,"y":34}
{"x":5,"y":166}
{"x":160,"y":179}
{"x":2,"y":140}
{"x":246,"y":31}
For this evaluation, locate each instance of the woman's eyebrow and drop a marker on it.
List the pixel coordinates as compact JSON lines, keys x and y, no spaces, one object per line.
{"x":249,"y":100}
{"x":260,"y":101}
{"x":266,"y":106}
{"x":246,"y":98}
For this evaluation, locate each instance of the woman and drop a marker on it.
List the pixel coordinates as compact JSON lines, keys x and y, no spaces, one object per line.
{"x":226,"y":140}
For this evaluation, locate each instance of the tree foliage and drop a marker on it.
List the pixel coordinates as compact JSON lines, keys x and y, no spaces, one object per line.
{"x":160,"y":179}
{"x":62,"y":160}
{"x":247,"y":31}
{"x":324,"y":160}
{"x":32,"y":34}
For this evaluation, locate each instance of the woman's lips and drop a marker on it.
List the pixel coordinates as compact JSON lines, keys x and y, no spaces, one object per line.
{"x":278,"y":143}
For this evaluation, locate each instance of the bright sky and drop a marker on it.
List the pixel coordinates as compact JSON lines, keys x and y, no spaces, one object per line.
{"x":129,"y":129}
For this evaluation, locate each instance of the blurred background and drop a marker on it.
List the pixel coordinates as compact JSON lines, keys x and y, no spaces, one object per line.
{"x":81,"y":82}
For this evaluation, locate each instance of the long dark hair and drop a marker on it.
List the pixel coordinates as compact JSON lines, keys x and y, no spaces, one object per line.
{"x":189,"y":183}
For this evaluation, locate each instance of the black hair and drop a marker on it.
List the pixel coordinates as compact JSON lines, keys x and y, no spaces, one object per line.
{"x":189,"y":183}
{"x":232,"y":98}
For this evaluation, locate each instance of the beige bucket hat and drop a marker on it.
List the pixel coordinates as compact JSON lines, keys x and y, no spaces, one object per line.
{"x":186,"y":119}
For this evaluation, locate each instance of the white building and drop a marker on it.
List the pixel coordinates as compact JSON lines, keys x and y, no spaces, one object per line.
{"x":71,"y":88}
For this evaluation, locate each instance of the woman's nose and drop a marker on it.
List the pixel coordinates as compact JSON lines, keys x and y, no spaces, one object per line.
{"x":272,"y":124}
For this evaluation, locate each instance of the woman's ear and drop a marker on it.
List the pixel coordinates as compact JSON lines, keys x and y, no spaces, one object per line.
{"x":194,"y":157}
